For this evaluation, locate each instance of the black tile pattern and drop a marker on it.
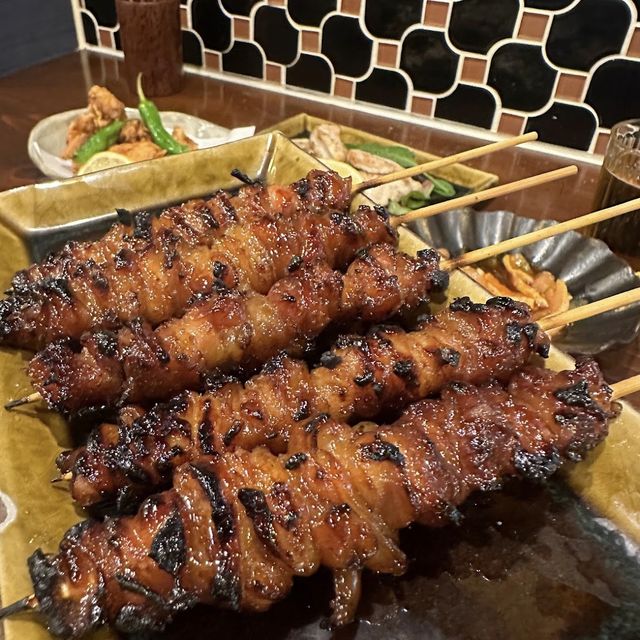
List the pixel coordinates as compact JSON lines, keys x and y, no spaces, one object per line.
{"x":391,"y":18}
{"x":429,"y":61}
{"x":310,"y":72}
{"x":469,"y":104}
{"x":213,"y":24}
{"x":477,"y":24}
{"x":275,"y":34}
{"x":191,"y":48}
{"x":244,"y":58}
{"x":89,"y":28}
{"x":104,"y":11}
{"x":523,"y":73}
{"x":613,"y":91}
{"x":310,"y":12}
{"x":384,"y":86}
{"x":553,"y":5}
{"x":567,"y":124}
{"x":346,"y":46}
{"x":590,"y":31}
{"x":239,"y":7}
{"x":521,"y":76}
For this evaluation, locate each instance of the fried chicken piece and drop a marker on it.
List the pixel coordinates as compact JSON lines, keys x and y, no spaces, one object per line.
{"x":138,"y":151}
{"x":104,"y":107}
{"x":180,"y":136}
{"x":80,"y":129}
{"x":134,"y":131}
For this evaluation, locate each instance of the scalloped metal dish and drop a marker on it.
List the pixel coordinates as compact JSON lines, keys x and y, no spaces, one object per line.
{"x":589,"y":268}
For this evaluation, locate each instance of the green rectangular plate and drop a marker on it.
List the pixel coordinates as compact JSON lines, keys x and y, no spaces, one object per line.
{"x":498,"y":598}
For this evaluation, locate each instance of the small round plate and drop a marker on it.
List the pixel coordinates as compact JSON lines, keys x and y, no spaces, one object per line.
{"x":47,"y":139}
{"x":589,"y":268}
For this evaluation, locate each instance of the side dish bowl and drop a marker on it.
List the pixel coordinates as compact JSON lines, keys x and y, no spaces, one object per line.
{"x":589,"y":268}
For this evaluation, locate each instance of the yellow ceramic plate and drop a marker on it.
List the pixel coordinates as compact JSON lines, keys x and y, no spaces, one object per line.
{"x":33,"y":219}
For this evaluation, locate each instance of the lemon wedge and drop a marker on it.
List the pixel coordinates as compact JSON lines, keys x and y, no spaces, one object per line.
{"x":343,"y":169}
{"x":103,"y":160}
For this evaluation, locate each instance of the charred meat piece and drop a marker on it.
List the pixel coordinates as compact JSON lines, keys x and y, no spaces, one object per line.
{"x":359,"y":379}
{"x":154,"y":279}
{"x":237,"y":527}
{"x":228,"y":329}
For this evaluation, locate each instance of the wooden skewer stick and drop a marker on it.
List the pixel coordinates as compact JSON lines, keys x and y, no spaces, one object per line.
{"x":488,"y":252}
{"x":32,"y":397}
{"x":626,"y":387}
{"x":564,"y":318}
{"x":487,"y":194}
{"x":620,"y":390}
{"x":432,"y":165}
{"x":541,"y":234}
{"x":553,"y":321}
{"x":30,"y":602}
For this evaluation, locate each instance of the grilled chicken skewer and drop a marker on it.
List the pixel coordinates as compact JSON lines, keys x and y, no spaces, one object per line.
{"x":231,"y":329}
{"x":360,"y":378}
{"x":154,"y":272}
{"x":236,"y":528}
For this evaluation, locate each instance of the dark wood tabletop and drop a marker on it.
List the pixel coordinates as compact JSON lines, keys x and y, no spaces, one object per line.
{"x":32,"y":94}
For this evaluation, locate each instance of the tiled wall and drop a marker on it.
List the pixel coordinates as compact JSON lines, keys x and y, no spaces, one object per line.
{"x":567,"y":68}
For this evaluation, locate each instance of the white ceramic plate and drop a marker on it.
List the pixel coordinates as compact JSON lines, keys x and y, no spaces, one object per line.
{"x":47,"y":139}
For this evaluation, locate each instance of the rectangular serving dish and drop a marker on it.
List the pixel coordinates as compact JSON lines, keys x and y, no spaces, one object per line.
{"x":459,"y":174}
{"x":34,"y":219}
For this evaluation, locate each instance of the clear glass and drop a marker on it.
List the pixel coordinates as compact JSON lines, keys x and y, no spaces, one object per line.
{"x":619,"y":182}
{"x":152,"y":44}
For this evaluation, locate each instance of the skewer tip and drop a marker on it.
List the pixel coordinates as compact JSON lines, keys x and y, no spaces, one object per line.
{"x":18,"y":402}
{"x":29,"y":602}
{"x":65,"y":477}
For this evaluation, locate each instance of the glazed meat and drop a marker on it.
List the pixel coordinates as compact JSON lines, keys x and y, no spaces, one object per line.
{"x":237,"y":527}
{"x":229,"y":329}
{"x":154,"y":273}
{"x":359,"y":379}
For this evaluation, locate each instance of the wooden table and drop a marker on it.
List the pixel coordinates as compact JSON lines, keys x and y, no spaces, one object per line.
{"x":30,"y":95}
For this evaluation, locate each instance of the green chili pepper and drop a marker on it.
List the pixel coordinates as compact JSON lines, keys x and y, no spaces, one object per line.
{"x":101,"y":140}
{"x":151,"y":118}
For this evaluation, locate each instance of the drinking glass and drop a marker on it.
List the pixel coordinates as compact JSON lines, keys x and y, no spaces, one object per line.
{"x":619,"y":182}
{"x":152,"y":44}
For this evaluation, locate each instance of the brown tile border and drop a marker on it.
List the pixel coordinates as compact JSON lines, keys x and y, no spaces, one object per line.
{"x":634,"y":44}
{"x":422,"y":106}
{"x":388,"y":55}
{"x":277,"y":3}
{"x":570,"y":86}
{"x":273,"y":73}
{"x":602,"y":140}
{"x":343,"y":88}
{"x":533,"y":26}
{"x":310,"y":41}
{"x":184,"y":17}
{"x":436,"y":13}
{"x":351,"y":7}
{"x":105,"y":37}
{"x":213,"y":60}
{"x":241,"y":28}
{"x":474,"y":70}
{"x":511,"y":124}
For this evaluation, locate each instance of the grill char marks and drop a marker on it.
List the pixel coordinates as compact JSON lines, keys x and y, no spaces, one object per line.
{"x":477,"y":336}
{"x":229,"y":329}
{"x":152,"y":267}
{"x":338,"y":509}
